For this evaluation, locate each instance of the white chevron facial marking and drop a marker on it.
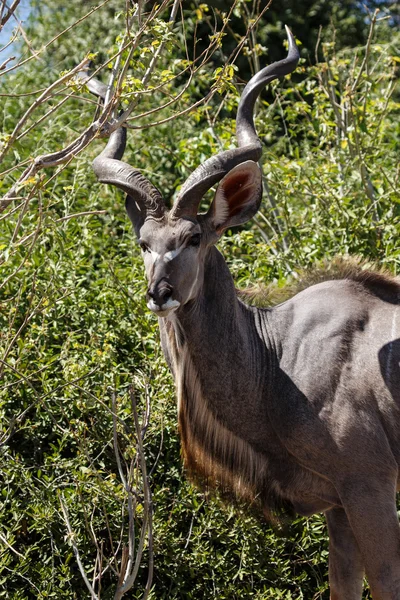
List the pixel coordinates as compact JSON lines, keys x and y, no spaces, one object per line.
{"x":168,"y":256}
{"x":154,"y":255}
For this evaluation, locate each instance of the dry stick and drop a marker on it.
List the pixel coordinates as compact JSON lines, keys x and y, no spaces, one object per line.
{"x":19,"y":574}
{"x":20,"y":417}
{"x":45,"y":116}
{"x":12,"y":39}
{"x":204,"y":54}
{"x":76,"y":550}
{"x":147,"y":490}
{"x":54,"y":159}
{"x":82,"y":214}
{"x":262,"y":231}
{"x":133,"y":45}
{"x":114,"y":551}
{"x":364,"y":64}
{"x":34,"y":93}
{"x":390,"y":89}
{"x":4,"y":64}
{"x":26,"y":40}
{"x":367,"y":183}
{"x":116,"y":66}
{"x":128,"y":430}
{"x":77,"y":145}
{"x":127,"y":554}
{"x":11,"y":169}
{"x":29,"y":317}
{"x":13,"y":210}
{"x":204,"y":100}
{"x":132,"y":504}
{"x":115,"y":440}
{"x":340,"y":112}
{"x":390,"y":183}
{"x":4,"y":540}
{"x":9,"y":13}
{"x":35,"y":235}
{"x":147,"y":517}
{"x":20,"y":217}
{"x":169,"y":103}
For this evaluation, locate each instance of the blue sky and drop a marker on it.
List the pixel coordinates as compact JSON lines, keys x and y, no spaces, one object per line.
{"x":22,"y":12}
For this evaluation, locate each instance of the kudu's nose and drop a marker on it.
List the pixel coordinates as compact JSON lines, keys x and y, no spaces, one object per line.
{"x":160,"y":292}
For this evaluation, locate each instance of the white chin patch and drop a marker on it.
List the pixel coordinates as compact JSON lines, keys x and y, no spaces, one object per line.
{"x":165,"y":309}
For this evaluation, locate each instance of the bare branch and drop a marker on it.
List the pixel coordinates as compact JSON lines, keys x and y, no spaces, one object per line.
{"x":71,"y":537}
{"x":128,"y":577}
{"x":9,"y":13}
{"x":4,"y":540}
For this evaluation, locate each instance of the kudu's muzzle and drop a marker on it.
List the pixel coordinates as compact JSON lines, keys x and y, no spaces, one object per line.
{"x":159,"y":297}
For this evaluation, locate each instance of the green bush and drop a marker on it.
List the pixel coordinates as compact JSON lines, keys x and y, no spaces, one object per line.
{"x":74,"y":326}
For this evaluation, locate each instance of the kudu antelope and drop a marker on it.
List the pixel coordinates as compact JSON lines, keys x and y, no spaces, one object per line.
{"x":298,"y":403}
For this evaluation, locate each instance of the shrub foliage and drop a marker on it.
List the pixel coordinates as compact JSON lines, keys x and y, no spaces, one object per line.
{"x":75,"y":334}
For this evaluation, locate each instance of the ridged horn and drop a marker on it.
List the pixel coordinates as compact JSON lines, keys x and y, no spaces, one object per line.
{"x":215,"y":168}
{"x":110,"y":169}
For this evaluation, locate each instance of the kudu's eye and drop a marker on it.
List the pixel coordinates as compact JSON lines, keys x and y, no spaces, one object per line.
{"x":195,"y":240}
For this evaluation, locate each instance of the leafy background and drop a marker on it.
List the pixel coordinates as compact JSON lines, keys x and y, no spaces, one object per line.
{"x":73,"y":320}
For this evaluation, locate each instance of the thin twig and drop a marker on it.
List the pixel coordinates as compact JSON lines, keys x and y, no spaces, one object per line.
{"x":71,"y":537}
{"x":4,"y":540}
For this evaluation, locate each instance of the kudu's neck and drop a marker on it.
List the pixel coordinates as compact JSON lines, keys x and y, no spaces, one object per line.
{"x":226,"y":340}
{"x":219,"y":352}
{"x":216,"y":310}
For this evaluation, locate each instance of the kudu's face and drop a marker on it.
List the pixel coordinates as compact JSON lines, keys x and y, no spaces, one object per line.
{"x":173,"y":253}
{"x":174,"y":249}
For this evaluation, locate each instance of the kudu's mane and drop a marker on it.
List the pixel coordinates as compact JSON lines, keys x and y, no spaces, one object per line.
{"x":373,"y":278}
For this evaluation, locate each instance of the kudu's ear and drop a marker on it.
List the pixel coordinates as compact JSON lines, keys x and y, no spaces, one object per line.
{"x":237,"y":198}
{"x":136,"y":213}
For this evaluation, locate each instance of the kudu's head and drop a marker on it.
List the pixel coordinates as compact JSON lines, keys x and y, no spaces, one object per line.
{"x":175,"y":242}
